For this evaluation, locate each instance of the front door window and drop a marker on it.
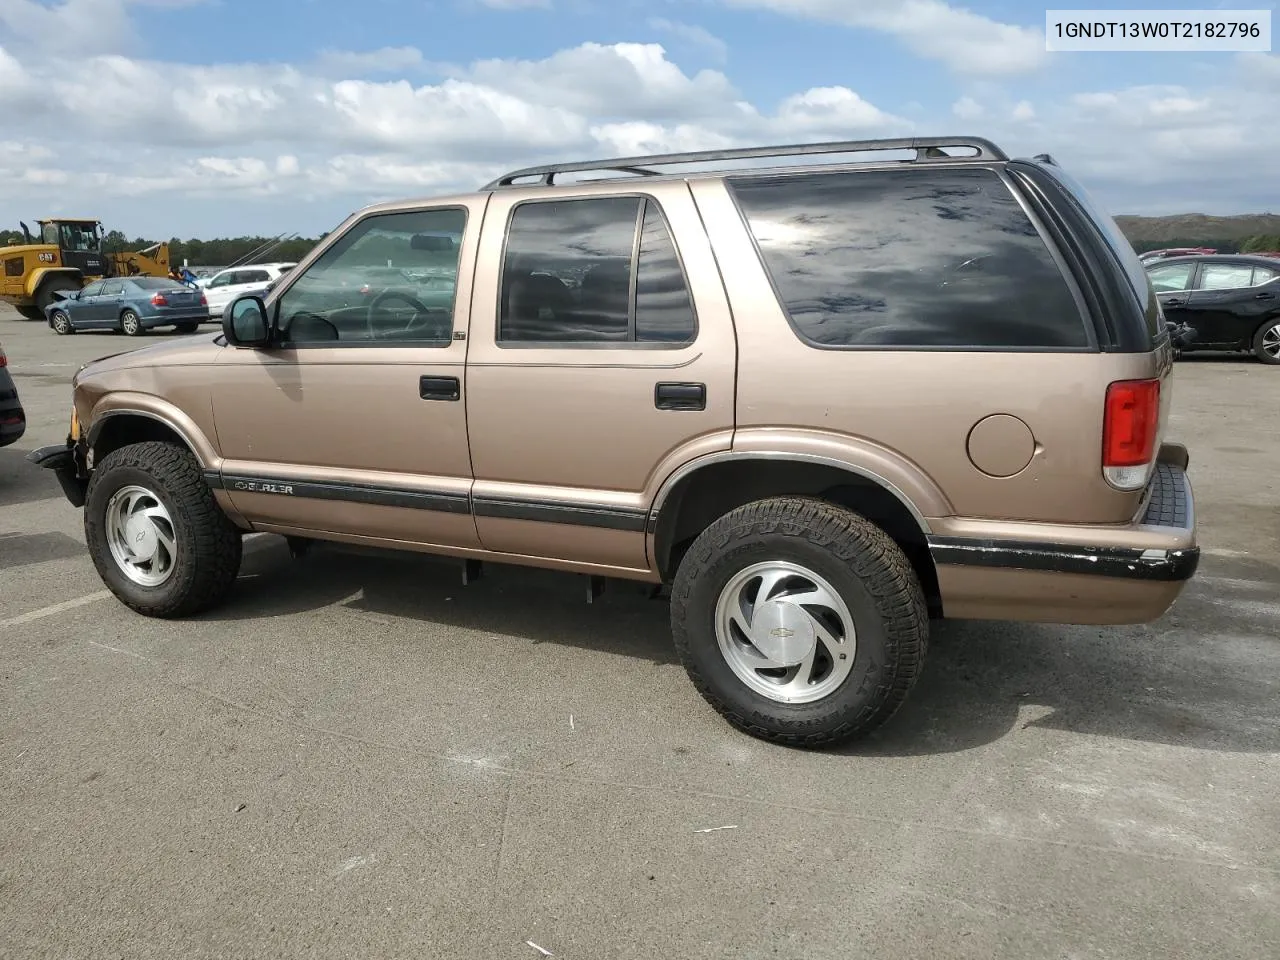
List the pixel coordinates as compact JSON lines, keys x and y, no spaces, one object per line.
{"x":392,"y":278}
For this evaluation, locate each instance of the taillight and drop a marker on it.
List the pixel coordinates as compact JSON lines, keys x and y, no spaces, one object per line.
{"x":158,"y":300}
{"x":204,"y":301}
{"x":1129,"y":430}
{"x":4,"y":361}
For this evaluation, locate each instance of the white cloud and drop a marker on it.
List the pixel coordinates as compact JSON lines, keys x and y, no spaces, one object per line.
{"x":159,"y":147}
{"x":116,"y":126}
{"x":966,"y":42}
{"x":364,"y":63}
{"x":693,"y":35}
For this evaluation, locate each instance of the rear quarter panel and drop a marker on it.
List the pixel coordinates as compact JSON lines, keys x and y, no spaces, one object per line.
{"x":908,"y":414}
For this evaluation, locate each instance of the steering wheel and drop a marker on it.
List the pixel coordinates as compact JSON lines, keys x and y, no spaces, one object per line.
{"x":419,"y":309}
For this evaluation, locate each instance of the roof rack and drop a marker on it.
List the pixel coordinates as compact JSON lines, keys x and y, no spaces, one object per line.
{"x":926,"y":148}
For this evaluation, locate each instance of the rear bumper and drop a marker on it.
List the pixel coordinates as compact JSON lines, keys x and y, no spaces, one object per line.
{"x":61,"y":458}
{"x":177,"y":316}
{"x":13,"y":420}
{"x":1099,"y":575}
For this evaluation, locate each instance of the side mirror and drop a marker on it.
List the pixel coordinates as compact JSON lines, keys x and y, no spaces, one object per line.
{"x":244,"y":322}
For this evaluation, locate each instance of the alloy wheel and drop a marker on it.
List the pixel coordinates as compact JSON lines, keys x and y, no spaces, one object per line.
{"x":785,"y":632}
{"x":141,"y":536}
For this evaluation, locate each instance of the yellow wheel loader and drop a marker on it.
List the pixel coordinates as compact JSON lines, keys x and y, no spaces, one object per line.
{"x":65,"y":256}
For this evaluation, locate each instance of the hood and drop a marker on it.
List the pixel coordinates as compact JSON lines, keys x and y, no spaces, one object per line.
{"x":195,"y":350}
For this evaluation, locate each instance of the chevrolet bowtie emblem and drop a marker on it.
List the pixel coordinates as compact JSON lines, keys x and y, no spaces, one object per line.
{"x":781,"y":633}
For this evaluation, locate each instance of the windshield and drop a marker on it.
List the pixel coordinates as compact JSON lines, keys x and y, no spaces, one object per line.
{"x":78,"y":236}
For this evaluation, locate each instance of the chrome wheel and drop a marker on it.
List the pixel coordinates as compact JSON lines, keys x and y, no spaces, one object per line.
{"x":129,"y":323}
{"x":61,"y":323}
{"x":785,"y":632}
{"x":140,"y":535}
{"x":1271,"y":342}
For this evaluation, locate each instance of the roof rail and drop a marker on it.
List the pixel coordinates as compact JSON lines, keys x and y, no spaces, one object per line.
{"x":926,"y":148}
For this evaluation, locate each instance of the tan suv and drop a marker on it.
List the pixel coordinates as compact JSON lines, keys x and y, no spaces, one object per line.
{"x":825,"y":392}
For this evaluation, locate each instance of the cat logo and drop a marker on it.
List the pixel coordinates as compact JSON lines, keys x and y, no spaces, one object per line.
{"x":47,"y":257}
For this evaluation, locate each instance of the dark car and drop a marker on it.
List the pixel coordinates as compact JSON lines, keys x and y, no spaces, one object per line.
{"x":13,"y":421}
{"x":131,"y":305}
{"x":1230,"y":302}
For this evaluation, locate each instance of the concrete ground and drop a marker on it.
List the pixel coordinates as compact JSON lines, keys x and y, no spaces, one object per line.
{"x":357,"y":757}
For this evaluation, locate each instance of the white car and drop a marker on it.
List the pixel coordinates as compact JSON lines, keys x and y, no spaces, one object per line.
{"x":225,"y":285}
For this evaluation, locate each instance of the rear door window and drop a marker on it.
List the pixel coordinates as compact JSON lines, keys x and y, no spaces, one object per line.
{"x":904,"y":258}
{"x":1225,"y":276}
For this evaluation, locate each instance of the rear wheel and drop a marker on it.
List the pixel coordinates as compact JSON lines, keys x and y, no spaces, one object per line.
{"x":61,"y":323}
{"x":186,"y":327}
{"x":799,"y":621}
{"x":130,"y":325}
{"x":30,"y":313}
{"x":155,"y":532}
{"x":1266,"y":342}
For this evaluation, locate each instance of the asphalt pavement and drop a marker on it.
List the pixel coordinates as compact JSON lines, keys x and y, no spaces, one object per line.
{"x":359,"y":757}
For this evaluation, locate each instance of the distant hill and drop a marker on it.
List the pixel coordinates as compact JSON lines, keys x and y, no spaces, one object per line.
{"x":1257,"y":231}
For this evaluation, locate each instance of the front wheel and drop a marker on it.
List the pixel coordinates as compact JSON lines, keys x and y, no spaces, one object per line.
{"x":1266,"y":342}
{"x":130,"y":324}
{"x":61,"y":323}
{"x":155,"y":532}
{"x":801,"y":622}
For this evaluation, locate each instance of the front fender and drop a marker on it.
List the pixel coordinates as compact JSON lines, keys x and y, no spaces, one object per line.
{"x":96,"y":412}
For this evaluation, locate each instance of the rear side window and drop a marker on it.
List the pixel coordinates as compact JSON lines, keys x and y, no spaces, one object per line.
{"x":600,"y":270}
{"x":1225,"y":276}
{"x":905,"y":258}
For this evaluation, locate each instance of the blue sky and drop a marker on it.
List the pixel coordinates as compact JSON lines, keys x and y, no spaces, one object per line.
{"x":211,"y":117}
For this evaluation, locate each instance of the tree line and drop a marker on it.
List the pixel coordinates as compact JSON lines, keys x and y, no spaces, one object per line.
{"x":221,"y":251}
{"x":1269,"y":243}
{"x":218,"y":252}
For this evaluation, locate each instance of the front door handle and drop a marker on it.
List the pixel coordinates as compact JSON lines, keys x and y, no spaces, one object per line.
{"x":680,"y":396}
{"x":1174,"y":302}
{"x":439,"y":388}
{"x":1264,"y":296}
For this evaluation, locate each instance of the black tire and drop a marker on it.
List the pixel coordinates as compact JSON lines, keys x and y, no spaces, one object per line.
{"x":46,"y":294}
{"x":865,"y":567}
{"x":186,"y":327}
{"x":209,"y":545}
{"x":130,"y":325}
{"x":30,"y":313}
{"x":61,"y":323}
{"x":1265,"y":340}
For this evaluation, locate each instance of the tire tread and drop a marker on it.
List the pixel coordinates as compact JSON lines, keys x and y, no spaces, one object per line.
{"x":216,"y":547}
{"x":872,"y":556}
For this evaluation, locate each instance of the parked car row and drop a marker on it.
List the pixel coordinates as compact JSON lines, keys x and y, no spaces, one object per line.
{"x":1222,"y":302}
{"x":130,"y":305}
{"x":225,"y":285}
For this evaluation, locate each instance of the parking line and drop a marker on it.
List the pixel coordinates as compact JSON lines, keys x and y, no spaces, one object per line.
{"x":54,"y":609}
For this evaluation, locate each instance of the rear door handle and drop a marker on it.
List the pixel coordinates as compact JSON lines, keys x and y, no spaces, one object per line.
{"x":680,"y":396}
{"x":1264,"y":296}
{"x":1174,"y":302}
{"x":439,"y":388}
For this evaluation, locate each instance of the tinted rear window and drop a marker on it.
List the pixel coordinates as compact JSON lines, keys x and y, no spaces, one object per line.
{"x":909,"y":258}
{"x":1117,"y":243}
{"x":156,"y":283}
